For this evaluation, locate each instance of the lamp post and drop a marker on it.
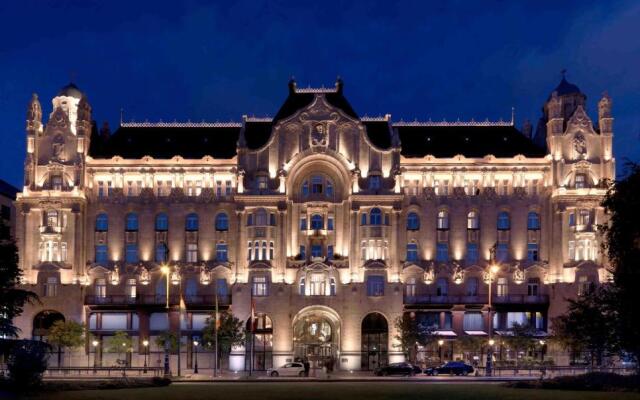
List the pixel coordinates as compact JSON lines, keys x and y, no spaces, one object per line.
{"x":165,"y":270}
{"x":440,"y":343}
{"x":145,"y":343}
{"x":542,"y":343}
{"x":195,"y":348}
{"x":95,"y":344}
{"x":493,"y":269}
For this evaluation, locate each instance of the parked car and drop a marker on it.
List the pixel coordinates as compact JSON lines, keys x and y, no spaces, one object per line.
{"x":401,"y":368}
{"x":451,"y":368}
{"x":289,"y":369}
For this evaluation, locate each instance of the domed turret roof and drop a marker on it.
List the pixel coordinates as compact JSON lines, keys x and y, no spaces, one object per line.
{"x":71,"y":90}
{"x":564,"y":88}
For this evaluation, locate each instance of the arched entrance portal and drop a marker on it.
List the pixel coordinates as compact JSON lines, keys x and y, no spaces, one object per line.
{"x":375,"y":341}
{"x":259,"y":344}
{"x":43,"y":321}
{"x":316,"y":336}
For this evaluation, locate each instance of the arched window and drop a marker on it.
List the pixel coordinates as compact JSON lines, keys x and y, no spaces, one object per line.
{"x":443,"y":220}
{"x":473,"y":221}
{"x":222,"y":252}
{"x":317,"y":222}
{"x":191,"y":223}
{"x":162,"y":222}
{"x":413,"y":221}
{"x":260,"y":218}
{"x":102,"y":222}
{"x":533,"y":220}
{"x":375,"y":216}
{"x":504,"y":222}
{"x":374,"y":341}
{"x":131,"y":222}
{"x":222,"y":222}
{"x":317,"y":185}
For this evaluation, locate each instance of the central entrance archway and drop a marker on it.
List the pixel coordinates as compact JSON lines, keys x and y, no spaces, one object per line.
{"x":316,"y":336}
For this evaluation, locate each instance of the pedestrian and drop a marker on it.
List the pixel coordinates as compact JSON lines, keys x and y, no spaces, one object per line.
{"x":307,"y":367}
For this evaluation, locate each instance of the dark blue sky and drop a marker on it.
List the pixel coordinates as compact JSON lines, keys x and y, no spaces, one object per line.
{"x":217,"y":61}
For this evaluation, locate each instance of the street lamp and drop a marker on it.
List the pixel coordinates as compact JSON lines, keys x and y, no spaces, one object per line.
{"x":145,"y":343}
{"x":542,"y":343}
{"x":195,"y":347}
{"x":440,"y":343}
{"x":95,"y":344}
{"x":493,"y":269}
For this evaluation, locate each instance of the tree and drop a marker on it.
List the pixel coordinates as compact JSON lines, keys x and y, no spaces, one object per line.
{"x":120,"y":343}
{"x":411,"y":334}
{"x":470,"y":344}
{"x":622,"y":246}
{"x":66,"y":335}
{"x":168,"y":338}
{"x":230,"y":333}
{"x":588,"y":325}
{"x":27,"y":362}
{"x":521,"y":338}
{"x":12,"y":299}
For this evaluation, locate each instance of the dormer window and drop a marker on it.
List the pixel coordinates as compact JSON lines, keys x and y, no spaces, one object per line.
{"x":262,"y":182}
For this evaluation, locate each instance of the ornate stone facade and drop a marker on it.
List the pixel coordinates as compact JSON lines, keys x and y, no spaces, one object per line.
{"x":332,"y":224}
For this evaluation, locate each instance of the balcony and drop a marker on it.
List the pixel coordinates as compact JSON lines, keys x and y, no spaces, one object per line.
{"x":481,"y":299}
{"x":156,"y":300}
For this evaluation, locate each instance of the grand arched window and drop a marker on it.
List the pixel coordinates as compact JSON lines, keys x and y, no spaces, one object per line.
{"x":504,"y":222}
{"x":375,"y":341}
{"x":131,"y":222}
{"x":102,"y":222}
{"x":162,"y":222}
{"x":43,"y":321}
{"x":260,"y":217}
{"x":191,"y":222}
{"x":413,"y":221}
{"x":533,"y":221}
{"x":222,"y":222}
{"x":375,"y":216}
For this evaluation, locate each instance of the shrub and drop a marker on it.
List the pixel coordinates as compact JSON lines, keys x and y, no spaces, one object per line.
{"x":27,"y":362}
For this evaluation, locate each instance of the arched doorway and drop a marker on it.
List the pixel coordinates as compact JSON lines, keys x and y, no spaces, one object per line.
{"x":258,"y":356}
{"x":43,"y":321}
{"x":375,"y":341}
{"x":316,"y":336}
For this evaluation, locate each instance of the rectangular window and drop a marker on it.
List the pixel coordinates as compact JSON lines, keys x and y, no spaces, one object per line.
{"x":262,"y":183}
{"x":412,"y":252}
{"x":442,"y":252}
{"x":473,"y":321}
{"x":303,"y":252}
{"x":532,"y":252}
{"x":375,"y":285}
{"x":221,"y":252}
{"x":51,"y":287}
{"x":222,"y":288}
{"x":572,"y":250}
{"x":192,"y":252}
{"x":303,"y":224}
{"x":228,"y":188}
{"x":581,"y":181}
{"x":161,"y":252}
{"x":330,"y":252}
{"x":101,"y":288}
{"x":131,"y":288}
{"x":502,"y":287}
{"x":131,"y":254}
{"x":330,"y":223}
{"x":374,"y":182}
{"x":272,"y":219}
{"x":532,"y":287}
{"x":259,"y":286}
{"x":101,"y":253}
{"x":472,"y":253}
{"x":218,"y":188}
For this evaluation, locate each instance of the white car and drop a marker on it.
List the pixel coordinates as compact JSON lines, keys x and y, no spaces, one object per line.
{"x":289,"y":369}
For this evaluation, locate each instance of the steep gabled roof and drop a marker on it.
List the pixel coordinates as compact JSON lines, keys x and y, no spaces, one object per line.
{"x":468,"y":140}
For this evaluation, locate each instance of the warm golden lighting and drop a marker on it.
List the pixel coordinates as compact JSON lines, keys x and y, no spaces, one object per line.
{"x":440,"y":342}
{"x":95,"y":343}
{"x":145,"y":343}
{"x":494,"y":268}
{"x":165,"y":269}
{"x":491,"y":342}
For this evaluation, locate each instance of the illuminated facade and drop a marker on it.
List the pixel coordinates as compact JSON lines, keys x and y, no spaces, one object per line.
{"x":331,"y":223}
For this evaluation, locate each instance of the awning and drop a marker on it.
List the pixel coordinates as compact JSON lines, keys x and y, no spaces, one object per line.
{"x":445,"y":333}
{"x":536,"y":334}
{"x":476,"y":333}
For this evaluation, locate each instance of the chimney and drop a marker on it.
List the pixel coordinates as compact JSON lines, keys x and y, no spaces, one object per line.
{"x":105,"y":132}
{"x":527,"y":129}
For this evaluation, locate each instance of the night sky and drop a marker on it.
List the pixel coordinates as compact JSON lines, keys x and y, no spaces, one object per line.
{"x":198,"y":60}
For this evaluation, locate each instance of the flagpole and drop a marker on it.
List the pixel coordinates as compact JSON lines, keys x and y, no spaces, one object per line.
{"x":180,"y":305}
{"x":251,"y":335}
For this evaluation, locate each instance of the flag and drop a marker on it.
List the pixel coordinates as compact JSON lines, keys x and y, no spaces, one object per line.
{"x":217,"y":314}
{"x":253,"y":315}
